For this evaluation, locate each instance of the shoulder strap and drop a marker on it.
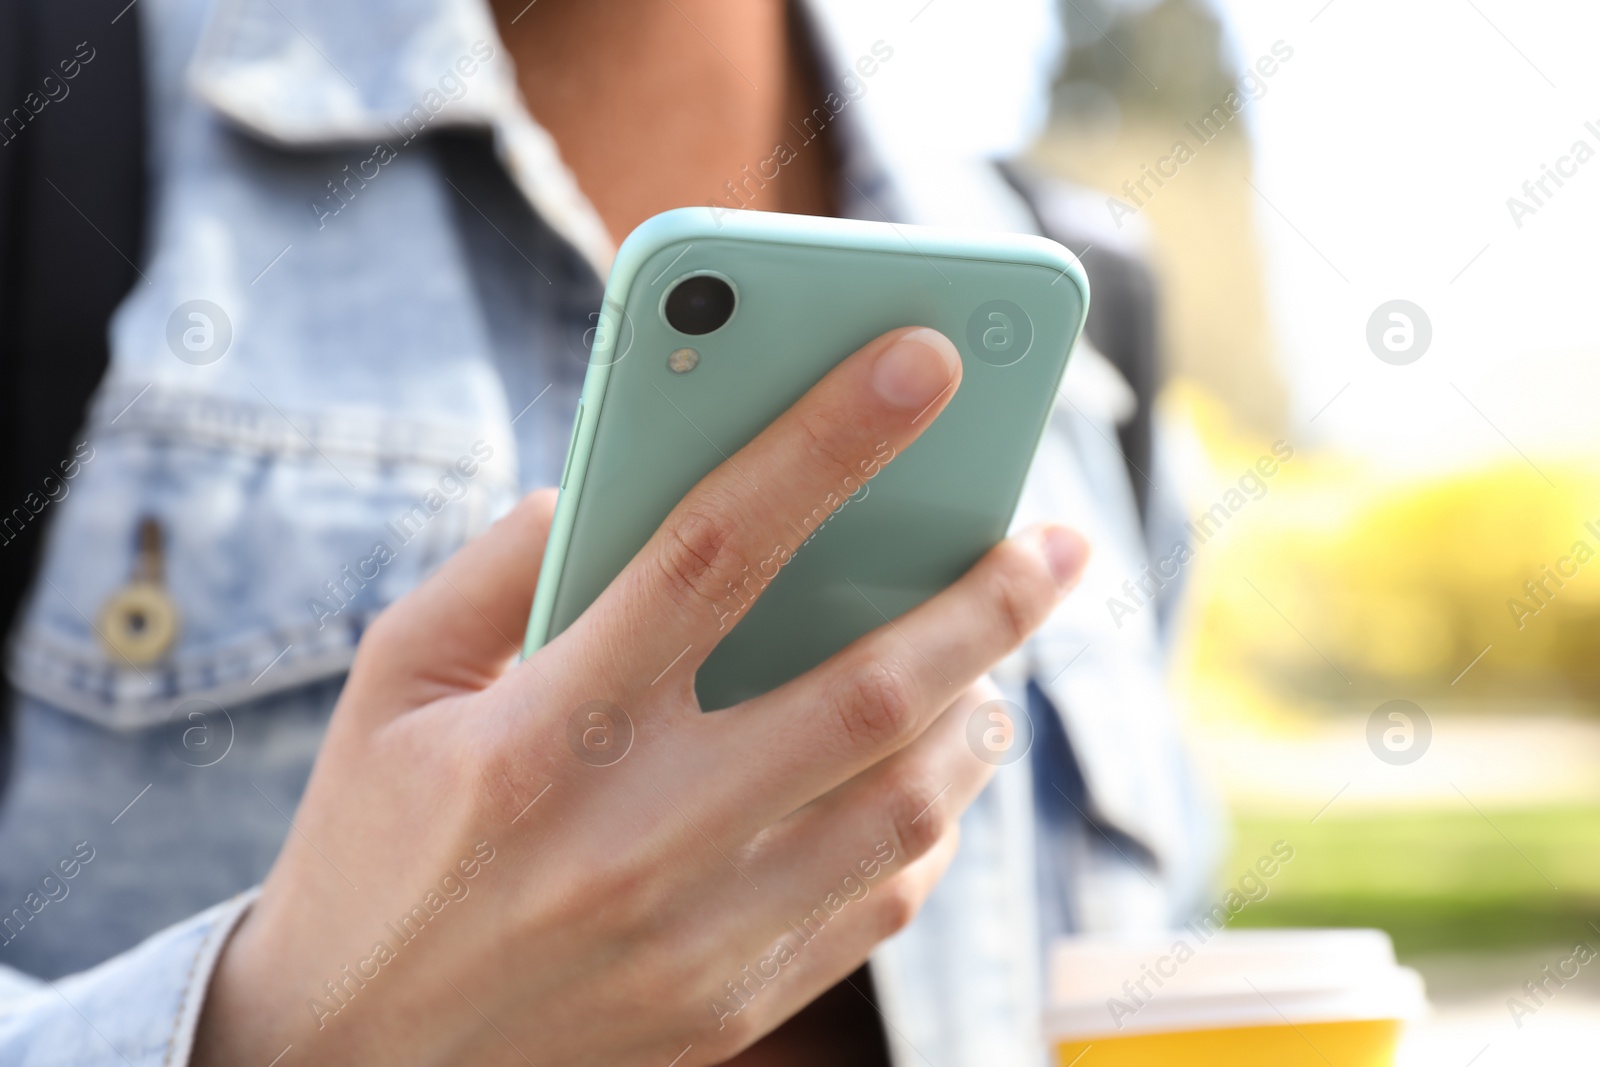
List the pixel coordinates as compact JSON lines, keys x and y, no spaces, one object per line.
{"x":1123,"y":314}
{"x":72,"y":207}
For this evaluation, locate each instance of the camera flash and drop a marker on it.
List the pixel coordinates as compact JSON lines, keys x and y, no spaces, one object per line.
{"x":683,"y":360}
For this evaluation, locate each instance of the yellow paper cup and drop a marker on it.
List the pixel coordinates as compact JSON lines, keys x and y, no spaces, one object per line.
{"x":1252,"y":998}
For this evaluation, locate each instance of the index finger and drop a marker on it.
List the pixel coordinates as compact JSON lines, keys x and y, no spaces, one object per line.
{"x":676,"y":594}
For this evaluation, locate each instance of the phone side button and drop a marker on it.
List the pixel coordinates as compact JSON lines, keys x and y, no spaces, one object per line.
{"x":572,"y":445}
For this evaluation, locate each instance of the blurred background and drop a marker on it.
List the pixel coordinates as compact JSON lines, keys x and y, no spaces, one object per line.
{"x":1435,"y":539}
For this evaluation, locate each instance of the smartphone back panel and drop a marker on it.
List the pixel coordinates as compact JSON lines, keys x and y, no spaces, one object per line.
{"x":808,"y":293}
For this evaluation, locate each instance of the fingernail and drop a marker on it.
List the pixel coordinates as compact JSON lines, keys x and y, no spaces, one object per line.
{"x":915,"y":369}
{"x":1066,"y":552}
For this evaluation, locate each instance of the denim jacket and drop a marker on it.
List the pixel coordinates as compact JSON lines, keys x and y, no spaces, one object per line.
{"x":339,"y":366}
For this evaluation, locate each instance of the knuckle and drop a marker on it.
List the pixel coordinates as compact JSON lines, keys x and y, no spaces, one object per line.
{"x":533,"y":513}
{"x":898,"y":902}
{"x":632,"y":904}
{"x":641,"y":902}
{"x":918,"y":817}
{"x":876,"y":710}
{"x":698,"y":559}
{"x":497,"y":795}
{"x":1022,"y":593}
{"x":385,"y":636}
{"x":622,"y":897}
{"x":501,"y":783}
{"x":533,"y":509}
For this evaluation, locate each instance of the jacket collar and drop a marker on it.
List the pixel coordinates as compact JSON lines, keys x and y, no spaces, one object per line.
{"x":312,"y":73}
{"x":969,"y":77}
{"x":917,"y":138}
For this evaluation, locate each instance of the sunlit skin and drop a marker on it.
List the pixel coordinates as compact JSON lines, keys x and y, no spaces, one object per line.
{"x":658,"y":107}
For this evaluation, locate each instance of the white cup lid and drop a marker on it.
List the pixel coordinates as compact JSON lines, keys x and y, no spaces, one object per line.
{"x":1194,"y":978}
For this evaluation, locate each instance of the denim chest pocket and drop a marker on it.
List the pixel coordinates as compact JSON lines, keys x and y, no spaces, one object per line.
{"x":206,"y":549}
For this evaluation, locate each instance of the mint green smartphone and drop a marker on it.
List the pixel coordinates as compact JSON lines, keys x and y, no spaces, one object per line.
{"x":714,"y":323}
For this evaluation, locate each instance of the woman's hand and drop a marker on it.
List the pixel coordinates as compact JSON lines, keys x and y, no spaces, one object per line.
{"x":564,"y":861}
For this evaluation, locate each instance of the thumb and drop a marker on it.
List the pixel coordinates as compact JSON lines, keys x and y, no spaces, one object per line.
{"x":459,"y":630}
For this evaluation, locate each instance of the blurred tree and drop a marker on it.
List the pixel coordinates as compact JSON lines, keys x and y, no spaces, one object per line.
{"x":1168,"y":60}
{"x":1134,"y":75}
{"x":1401,"y":583}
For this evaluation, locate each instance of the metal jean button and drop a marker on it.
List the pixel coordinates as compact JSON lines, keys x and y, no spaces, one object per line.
{"x":139,"y":622}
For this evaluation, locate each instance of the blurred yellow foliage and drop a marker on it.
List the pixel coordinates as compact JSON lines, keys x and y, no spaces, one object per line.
{"x":1347,"y":580}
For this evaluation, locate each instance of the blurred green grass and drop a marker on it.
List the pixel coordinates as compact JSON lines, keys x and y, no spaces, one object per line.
{"x":1435,"y":880}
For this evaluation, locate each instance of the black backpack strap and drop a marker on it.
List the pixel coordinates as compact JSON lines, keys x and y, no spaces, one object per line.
{"x":1123,"y":314}
{"x":72,"y":218}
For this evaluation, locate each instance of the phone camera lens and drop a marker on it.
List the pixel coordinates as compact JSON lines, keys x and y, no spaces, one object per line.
{"x":699,"y":304}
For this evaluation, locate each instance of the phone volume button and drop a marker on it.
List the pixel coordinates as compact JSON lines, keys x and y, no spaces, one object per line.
{"x":572,"y":445}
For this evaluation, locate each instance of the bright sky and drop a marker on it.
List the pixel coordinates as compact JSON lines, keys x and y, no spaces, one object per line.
{"x":1386,"y":150}
{"x":968,"y":78}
